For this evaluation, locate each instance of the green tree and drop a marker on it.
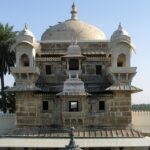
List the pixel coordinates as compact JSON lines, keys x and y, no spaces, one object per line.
{"x":141,"y":107}
{"x":7,"y":57}
{"x":9,"y":99}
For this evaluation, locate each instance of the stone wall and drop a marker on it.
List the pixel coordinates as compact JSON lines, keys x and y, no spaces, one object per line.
{"x":7,"y":121}
{"x":120,"y":109}
{"x":29,"y":109}
{"x":141,"y":121}
{"x":117,"y":112}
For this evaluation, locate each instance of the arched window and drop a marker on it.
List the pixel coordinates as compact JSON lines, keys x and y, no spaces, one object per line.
{"x":24,"y":60}
{"x":74,"y":64}
{"x":121,"y":61}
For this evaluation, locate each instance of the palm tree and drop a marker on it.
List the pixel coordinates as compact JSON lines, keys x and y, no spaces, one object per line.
{"x":7,"y":57}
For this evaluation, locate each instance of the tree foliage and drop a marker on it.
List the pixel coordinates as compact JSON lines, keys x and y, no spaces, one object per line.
{"x":141,"y":107}
{"x":7,"y":57}
{"x":9,"y":99}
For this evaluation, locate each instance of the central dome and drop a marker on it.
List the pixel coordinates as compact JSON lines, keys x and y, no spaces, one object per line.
{"x":77,"y":29}
{"x":73,"y":28}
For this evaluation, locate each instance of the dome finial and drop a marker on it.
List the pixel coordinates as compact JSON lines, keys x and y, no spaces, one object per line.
{"x":74,"y":12}
{"x":25,"y":26}
{"x":119,"y":26}
{"x":120,"y":33}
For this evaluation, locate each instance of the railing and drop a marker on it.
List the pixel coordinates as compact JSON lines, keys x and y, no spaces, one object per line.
{"x":25,"y":70}
{"x":49,"y":59}
{"x":98,"y":59}
{"x":122,"y":69}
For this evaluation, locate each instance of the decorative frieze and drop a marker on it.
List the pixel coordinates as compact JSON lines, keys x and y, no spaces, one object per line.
{"x":48,"y":59}
{"x":98,"y":59}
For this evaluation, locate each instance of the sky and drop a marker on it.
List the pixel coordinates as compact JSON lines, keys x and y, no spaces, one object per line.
{"x":134,"y":16}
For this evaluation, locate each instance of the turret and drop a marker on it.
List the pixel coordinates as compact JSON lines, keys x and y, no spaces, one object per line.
{"x":121,"y":48}
{"x":121,"y":71}
{"x":26,"y":48}
{"x":25,"y":71}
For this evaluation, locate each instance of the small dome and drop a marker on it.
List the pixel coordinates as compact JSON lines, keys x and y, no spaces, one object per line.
{"x":74,"y":49}
{"x":26,"y":36}
{"x":26,"y":32}
{"x":119,"y":33}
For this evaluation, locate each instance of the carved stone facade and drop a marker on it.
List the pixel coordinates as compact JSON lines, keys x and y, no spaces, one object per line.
{"x":74,"y":77}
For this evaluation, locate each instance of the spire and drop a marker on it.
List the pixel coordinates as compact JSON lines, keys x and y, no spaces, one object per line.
{"x":26,"y":27}
{"x":26,"y":31}
{"x":74,"y":12}
{"x":120,"y":26}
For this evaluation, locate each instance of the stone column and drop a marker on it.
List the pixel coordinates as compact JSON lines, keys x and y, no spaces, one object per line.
{"x":119,"y":77}
{"x":67,"y":64}
{"x":127,"y":76}
{"x":79,"y":64}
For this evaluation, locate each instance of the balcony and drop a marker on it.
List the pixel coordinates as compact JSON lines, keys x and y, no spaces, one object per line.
{"x":129,"y":70}
{"x":32,"y":70}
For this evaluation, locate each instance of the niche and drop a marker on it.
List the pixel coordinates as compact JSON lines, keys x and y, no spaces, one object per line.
{"x":24,"y":61}
{"x":121,"y":61}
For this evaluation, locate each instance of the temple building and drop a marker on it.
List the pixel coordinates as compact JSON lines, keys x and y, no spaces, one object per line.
{"x":74,"y":77}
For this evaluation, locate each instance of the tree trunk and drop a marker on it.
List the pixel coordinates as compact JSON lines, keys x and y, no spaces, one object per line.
{"x":3,"y":94}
